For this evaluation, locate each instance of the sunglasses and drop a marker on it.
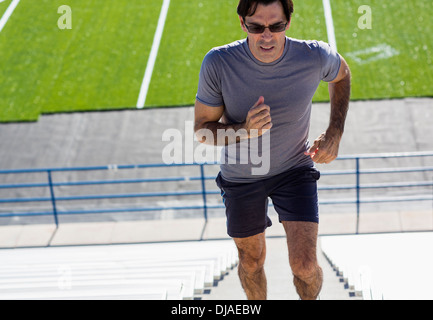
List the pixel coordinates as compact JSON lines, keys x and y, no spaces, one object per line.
{"x":257,"y":28}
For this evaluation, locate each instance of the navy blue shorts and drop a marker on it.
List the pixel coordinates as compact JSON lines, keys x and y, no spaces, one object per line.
{"x":293,"y":194}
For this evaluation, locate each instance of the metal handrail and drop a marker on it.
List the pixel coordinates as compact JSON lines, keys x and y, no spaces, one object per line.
{"x":51,"y":185}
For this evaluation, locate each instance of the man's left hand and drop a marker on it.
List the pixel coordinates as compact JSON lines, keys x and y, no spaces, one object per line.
{"x":325,"y":148}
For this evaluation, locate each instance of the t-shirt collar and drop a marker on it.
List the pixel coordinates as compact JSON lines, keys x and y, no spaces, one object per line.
{"x":250,"y":54}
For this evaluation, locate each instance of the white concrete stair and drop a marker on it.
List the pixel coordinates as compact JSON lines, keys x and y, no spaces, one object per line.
{"x":175,"y":271}
{"x":394,"y":266}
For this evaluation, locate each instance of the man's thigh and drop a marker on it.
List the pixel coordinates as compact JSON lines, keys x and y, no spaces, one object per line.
{"x":294,"y":195}
{"x":246,"y":208}
{"x":302,"y":242}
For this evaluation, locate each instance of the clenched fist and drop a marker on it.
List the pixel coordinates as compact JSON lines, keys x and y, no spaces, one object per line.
{"x":258,"y":119}
{"x":325,"y":147}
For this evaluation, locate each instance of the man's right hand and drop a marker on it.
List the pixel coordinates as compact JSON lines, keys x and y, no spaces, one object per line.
{"x":258,"y":119}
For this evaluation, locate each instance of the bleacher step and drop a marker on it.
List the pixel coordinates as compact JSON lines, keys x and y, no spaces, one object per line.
{"x":146,"y":271}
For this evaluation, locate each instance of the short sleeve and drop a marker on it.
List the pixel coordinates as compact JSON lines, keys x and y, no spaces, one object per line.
{"x":330,"y":61}
{"x":209,"y":85}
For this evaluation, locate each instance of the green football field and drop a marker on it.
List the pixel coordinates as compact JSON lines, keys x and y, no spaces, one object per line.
{"x":100,"y":62}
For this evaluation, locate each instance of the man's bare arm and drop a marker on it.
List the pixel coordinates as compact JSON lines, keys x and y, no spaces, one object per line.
{"x":325,"y":148}
{"x":339,"y":93}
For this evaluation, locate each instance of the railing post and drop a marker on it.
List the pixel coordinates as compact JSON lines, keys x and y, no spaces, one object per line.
{"x":358,"y":199}
{"x":203,"y":189}
{"x":53,"y":198}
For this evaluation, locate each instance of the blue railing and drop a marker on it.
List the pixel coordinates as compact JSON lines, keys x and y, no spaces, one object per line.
{"x":51,"y":187}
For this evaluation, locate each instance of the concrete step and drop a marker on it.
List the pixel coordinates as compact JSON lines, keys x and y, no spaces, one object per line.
{"x":394,"y":266}
{"x":179,"y":270}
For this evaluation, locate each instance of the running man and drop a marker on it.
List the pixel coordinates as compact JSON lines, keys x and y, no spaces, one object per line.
{"x":260,"y":90}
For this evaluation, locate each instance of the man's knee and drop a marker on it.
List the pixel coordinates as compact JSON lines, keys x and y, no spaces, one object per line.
{"x":252,"y":262}
{"x":252,"y":254}
{"x":305,"y":269}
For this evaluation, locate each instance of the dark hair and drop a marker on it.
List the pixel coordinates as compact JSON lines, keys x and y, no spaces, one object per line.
{"x":247,"y":8}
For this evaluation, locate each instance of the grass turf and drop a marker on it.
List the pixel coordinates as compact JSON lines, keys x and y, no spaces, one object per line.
{"x":393,"y":59}
{"x":99,"y":64}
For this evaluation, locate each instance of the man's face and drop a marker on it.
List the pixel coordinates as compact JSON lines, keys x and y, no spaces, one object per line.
{"x":267,"y":46}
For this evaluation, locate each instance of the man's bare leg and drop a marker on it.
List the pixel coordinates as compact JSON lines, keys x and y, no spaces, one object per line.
{"x":252,"y":254}
{"x":302,"y":243}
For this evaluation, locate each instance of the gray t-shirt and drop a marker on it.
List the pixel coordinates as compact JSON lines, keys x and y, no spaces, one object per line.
{"x":232,"y":77}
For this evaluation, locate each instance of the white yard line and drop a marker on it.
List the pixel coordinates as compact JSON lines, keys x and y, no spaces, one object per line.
{"x":153,"y":54}
{"x":8,"y":13}
{"x":330,"y":24}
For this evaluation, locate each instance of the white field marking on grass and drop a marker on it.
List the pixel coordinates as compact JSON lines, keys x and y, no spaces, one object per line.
{"x":8,"y":13}
{"x":153,"y":54}
{"x":379,"y":52}
{"x":330,"y":24}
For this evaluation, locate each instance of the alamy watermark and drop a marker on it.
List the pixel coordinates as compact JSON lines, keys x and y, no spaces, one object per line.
{"x":65,"y":20}
{"x":366,"y":19}
{"x":184,"y":147}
